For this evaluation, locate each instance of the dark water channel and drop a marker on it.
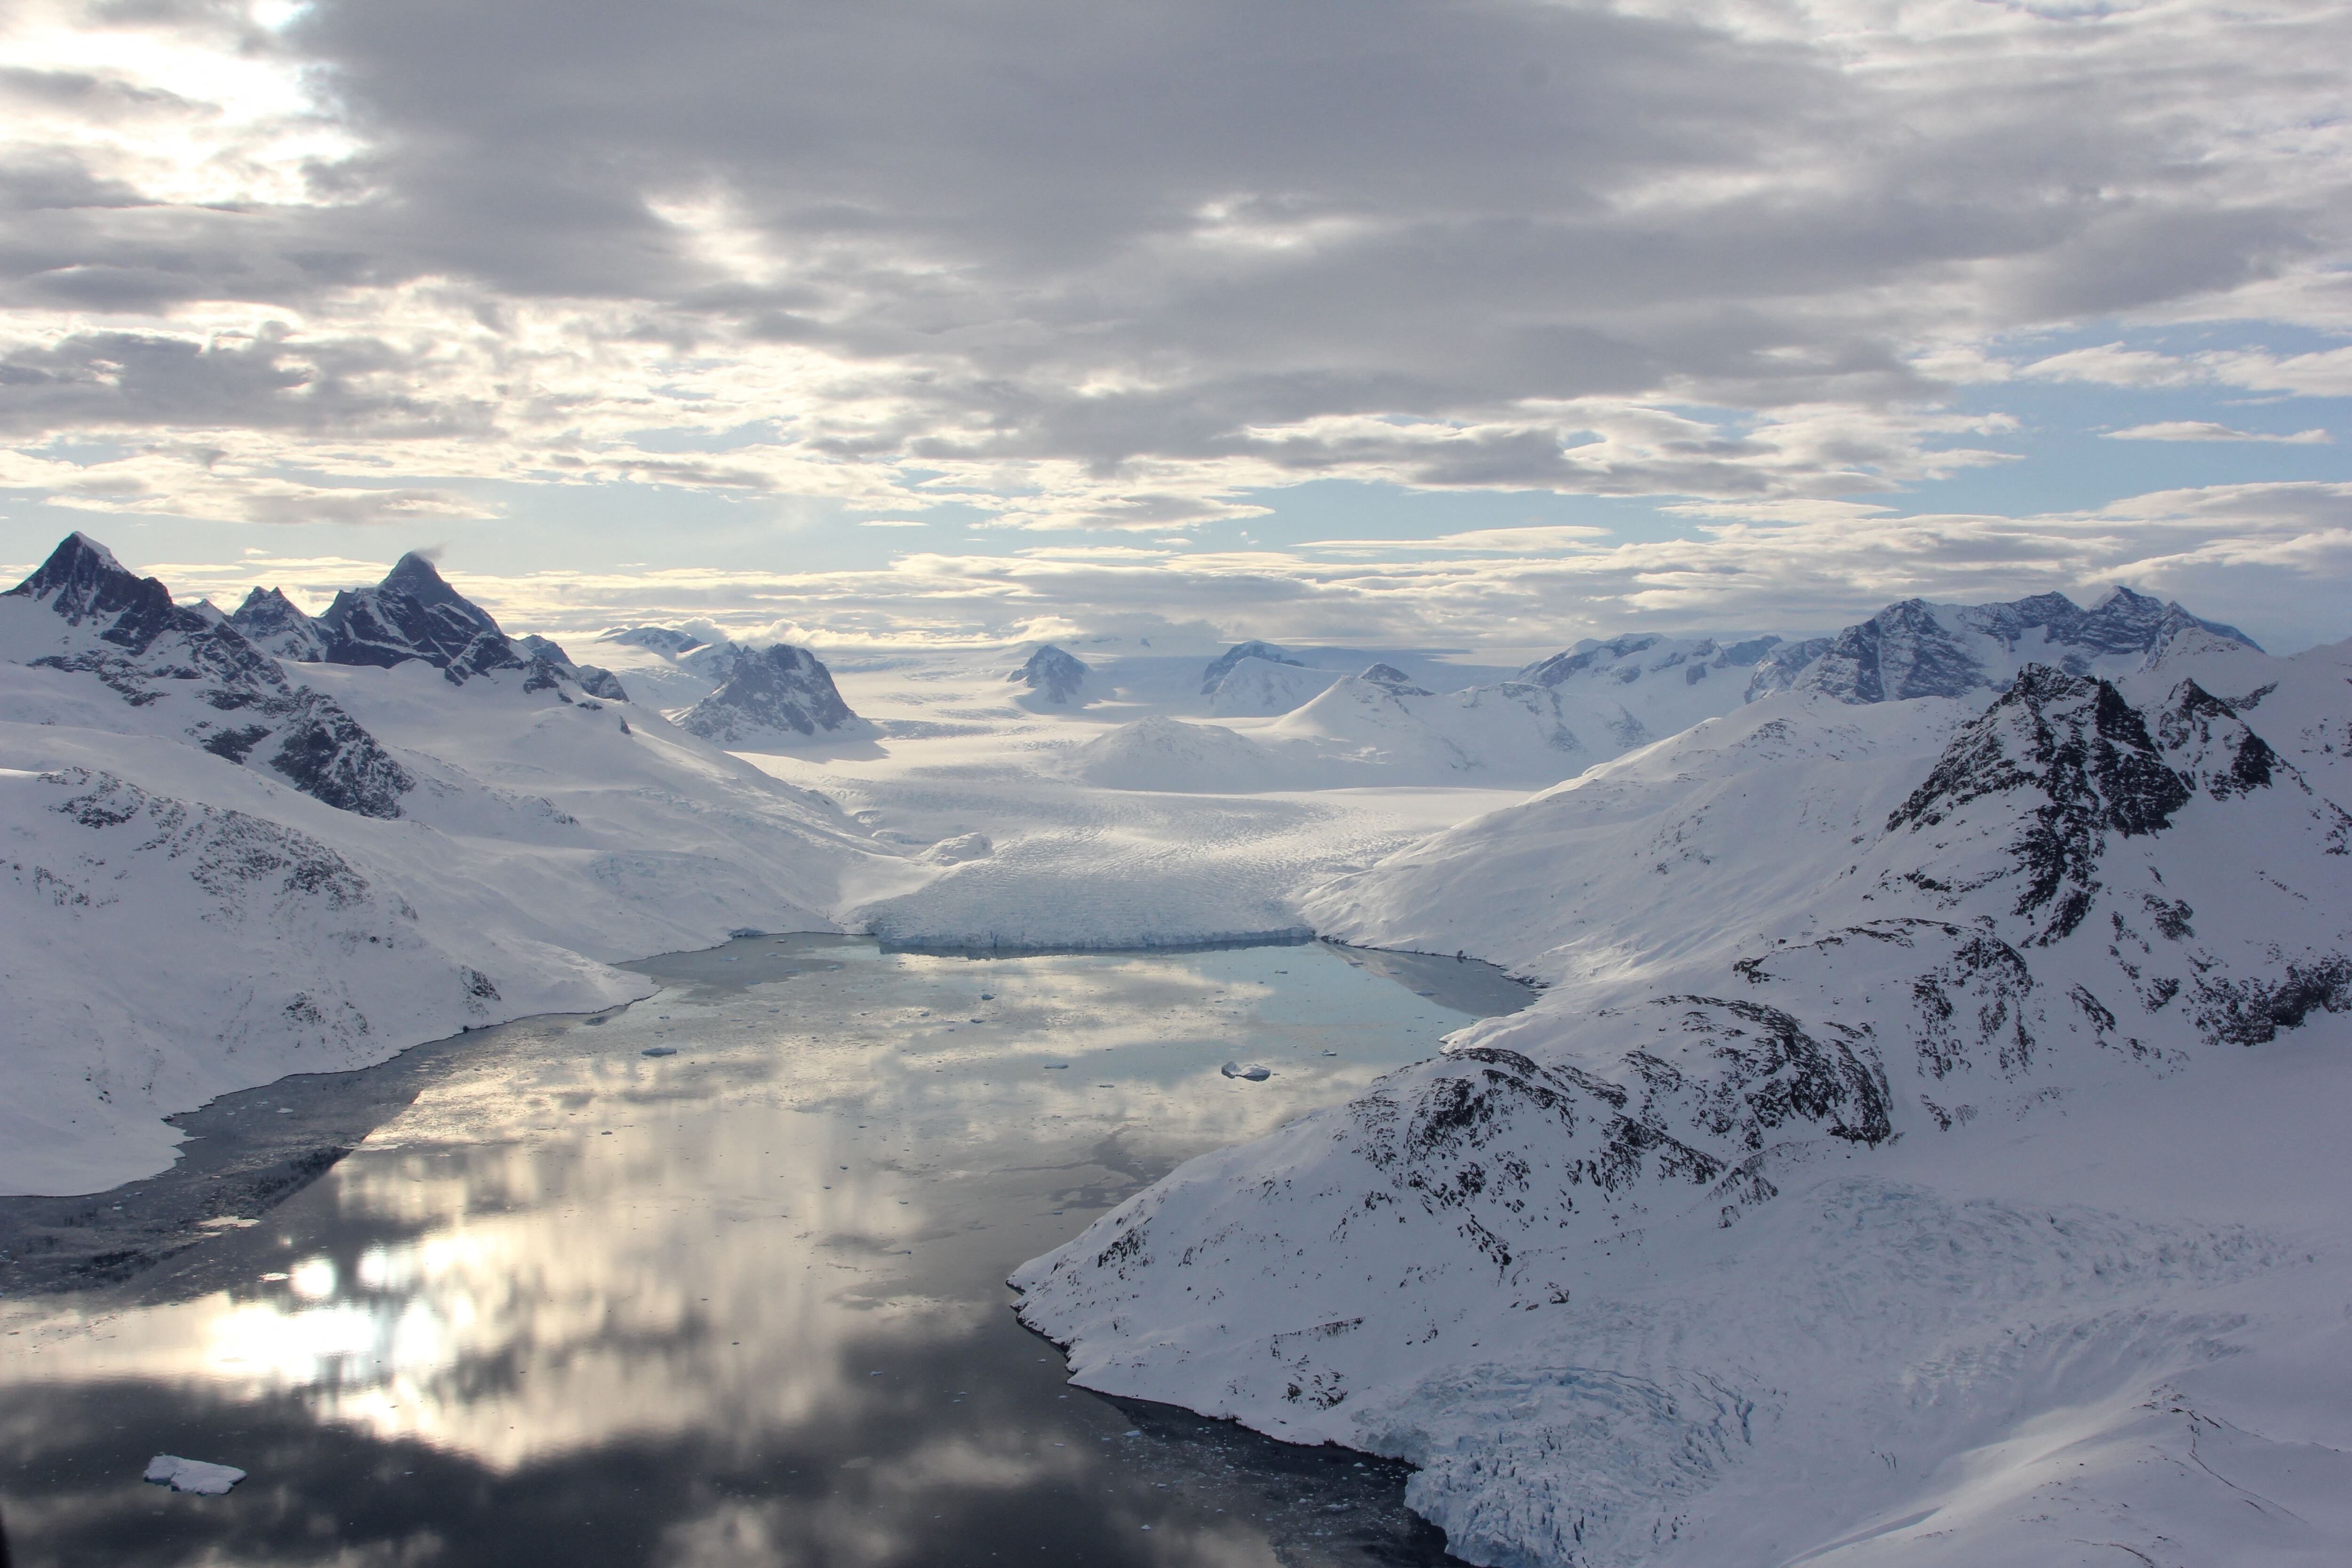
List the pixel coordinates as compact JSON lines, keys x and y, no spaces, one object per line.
{"x":740,"y":1304}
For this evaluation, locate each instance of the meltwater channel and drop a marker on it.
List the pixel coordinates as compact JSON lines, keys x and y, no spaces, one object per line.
{"x":714,"y":1278}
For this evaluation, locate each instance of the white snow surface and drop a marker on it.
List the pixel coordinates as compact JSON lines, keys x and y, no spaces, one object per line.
{"x":1928,"y":1151}
{"x":1261,"y":689}
{"x":178,"y":925}
{"x":1117,"y":825}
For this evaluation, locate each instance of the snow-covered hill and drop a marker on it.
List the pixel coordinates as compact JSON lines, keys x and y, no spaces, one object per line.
{"x":220,"y":867}
{"x":1925,"y":1153}
{"x":1170,"y":754}
{"x":1379,"y":723}
{"x":1265,"y":688}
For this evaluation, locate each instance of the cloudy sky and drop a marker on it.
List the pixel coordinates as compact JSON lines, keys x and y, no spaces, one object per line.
{"x":1487,"y":323}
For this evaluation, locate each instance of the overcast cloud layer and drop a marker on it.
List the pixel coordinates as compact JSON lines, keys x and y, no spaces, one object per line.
{"x":1117,"y":272}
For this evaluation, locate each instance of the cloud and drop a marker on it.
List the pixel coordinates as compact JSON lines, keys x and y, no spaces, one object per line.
{"x":1088,"y":268}
{"x":2112,"y":365}
{"x":2206,"y":430}
{"x":2268,"y":557}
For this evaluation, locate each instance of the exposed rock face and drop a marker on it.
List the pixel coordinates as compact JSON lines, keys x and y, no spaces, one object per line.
{"x":594,"y":679}
{"x":1222,"y":666}
{"x":237,"y":702}
{"x":771,"y":693}
{"x":412,"y":614}
{"x":272,"y":622}
{"x":1394,"y":680}
{"x":1056,"y":677}
{"x":1779,"y":669}
{"x":1485,"y":1262}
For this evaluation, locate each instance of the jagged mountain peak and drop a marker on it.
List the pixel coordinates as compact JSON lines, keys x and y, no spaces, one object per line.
{"x":2076,"y":763}
{"x":413,"y":613}
{"x":224,"y":694}
{"x":273,"y":621}
{"x":1052,"y":675}
{"x":81,"y":579}
{"x":769,"y":693}
{"x":271,"y":602}
{"x":418,"y":578}
{"x":1915,"y":647}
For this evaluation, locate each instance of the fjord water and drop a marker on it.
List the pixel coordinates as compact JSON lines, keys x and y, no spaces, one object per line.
{"x":740,"y":1304}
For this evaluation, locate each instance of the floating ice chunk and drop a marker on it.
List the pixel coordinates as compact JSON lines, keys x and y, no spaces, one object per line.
{"x":193,"y":1475}
{"x":1254,"y":1071}
{"x":658,"y":1051}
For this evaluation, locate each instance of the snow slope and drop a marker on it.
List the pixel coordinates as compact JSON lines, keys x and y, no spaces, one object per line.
{"x":1170,"y":754}
{"x":1114,"y":825}
{"x":1960,"y":1193}
{"x":1651,"y":685}
{"x":1264,"y":688}
{"x":1380,"y":725}
{"x":221,"y":868}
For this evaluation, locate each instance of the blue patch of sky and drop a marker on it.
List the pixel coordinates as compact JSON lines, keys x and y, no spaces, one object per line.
{"x":2063,"y":459}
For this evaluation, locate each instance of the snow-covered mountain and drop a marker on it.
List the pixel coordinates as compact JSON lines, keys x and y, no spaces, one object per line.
{"x":1265,"y":689}
{"x":1917,"y":1157}
{"x":669,"y":667}
{"x":1379,"y":722}
{"x":222,"y":865}
{"x":158,"y":668}
{"x":1918,"y":649}
{"x":411,"y":616}
{"x":1053,"y":679}
{"x":1213,"y":674}
{"x":276,"y":624}
{"x":1664,"y":684}
{"x":772,"y":696}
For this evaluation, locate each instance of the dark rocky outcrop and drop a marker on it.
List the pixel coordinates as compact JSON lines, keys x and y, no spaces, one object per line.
{"x":148,"y":650}
{"x":1390,"y":678}
{"x":273,"y":623}
{"x":769,"y":692}
{"x":1054,"y":676}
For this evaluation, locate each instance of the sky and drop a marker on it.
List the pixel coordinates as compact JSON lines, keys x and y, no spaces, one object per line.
{"x":1490,"y":325}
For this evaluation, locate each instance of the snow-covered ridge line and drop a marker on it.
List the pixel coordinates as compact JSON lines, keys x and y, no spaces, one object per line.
{"x":1768,"y":1181}
{"x":221,"y":865}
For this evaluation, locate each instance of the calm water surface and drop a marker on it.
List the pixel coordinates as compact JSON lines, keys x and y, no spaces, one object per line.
{"x":743,"y":1304}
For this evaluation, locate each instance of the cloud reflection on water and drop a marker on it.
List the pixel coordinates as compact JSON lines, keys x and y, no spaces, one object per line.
{"x":787,"y":1240}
